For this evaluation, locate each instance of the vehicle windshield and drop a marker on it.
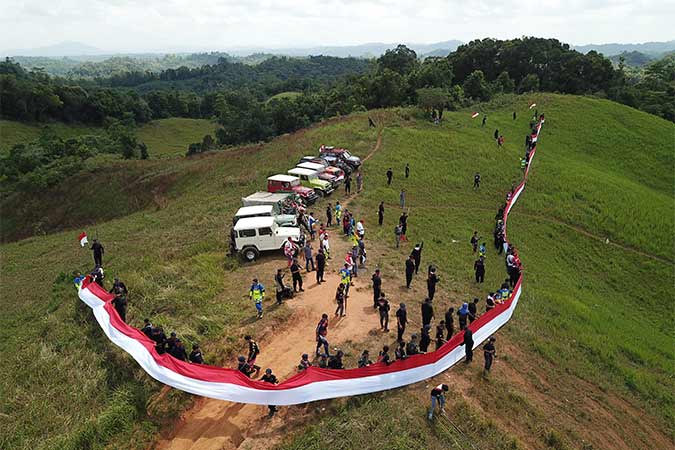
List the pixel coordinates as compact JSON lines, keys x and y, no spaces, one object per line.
{"x":346,"y":154}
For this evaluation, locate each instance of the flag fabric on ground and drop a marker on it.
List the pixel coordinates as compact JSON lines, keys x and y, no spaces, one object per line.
{"x":83,"y":239}
{"x":474,"y":115}
{"x":533,"y":105}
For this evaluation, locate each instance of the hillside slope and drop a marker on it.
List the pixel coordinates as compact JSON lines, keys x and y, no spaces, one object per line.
{"x":585,"y":319}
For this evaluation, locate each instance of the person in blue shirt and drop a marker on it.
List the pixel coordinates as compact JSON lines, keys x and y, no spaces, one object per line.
{"x":257,"y":294}
{"x":78,"y":280}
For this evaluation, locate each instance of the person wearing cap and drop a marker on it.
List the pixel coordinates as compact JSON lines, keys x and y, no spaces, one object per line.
{"x":196,"y":356}
{"x":257,"y":294}
{"x":432,"y":281}
{"x":438,"y":398}
{"x":269,"y":377}
{"x":416,"y":255}
{"x":489,"y":353}
{"x":364,"y":360}
{"x":243,"y":366}
{"x":401,"y":321}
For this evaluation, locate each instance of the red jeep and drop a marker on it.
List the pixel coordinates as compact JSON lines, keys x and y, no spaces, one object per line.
{"x":288,"y":183}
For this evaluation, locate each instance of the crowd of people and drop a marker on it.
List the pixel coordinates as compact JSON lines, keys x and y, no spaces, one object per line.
{"x":314,"y":254}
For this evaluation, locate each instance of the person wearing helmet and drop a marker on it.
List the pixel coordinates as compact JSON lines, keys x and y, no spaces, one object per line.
{"x":269,"y":377}
{"x":243,"y":366}
{"x":257,"y":294}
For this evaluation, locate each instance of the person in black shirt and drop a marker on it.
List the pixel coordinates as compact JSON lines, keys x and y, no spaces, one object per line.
{"x":450,"y":322}
{"x":348,"y":184}
{"x":364,"y":360}
{"x":335,"y":361}
{"x":409,"y":271}
{"x":403,"y":220}
{"x":440,"y":330}
{"x":320,"y":266}
{"x":496,"y":133}
{"x":178,"y":351}
{"x":147,"y":328}
{"x":270,"y":378}
{"x":407,"y":170}
{"x":479,"y":267}
{"x":490,"y":302}
{"x":120,"y":304}
{"x":425,"y":340}
{"x":489,"y":352}
{"x":329,"y":215}
{"x":196,"y":355}
{"x":279,"y":286}
{"x":297,"y":277}
{"x":384,"y":355}
{"x":390,"y":174}
{"x":476,"y":180}
{"x":243,"y":367}
{"x":473,"y":310}
{"x":427,"y":312}
{"x":171,"y":341}
{"x":468,"y":345}
{"x":383,"y":307}
{"x":380,"y":213}
{"x":99,"y":251}
{"x":377,"y":287}
{"x":412,"y":347}
{"x":253,"y":352}
{"x":119,"y":288}
{"x":340,"y":300}
{"x":437,"y":397}
{"x":416,"y":255}
{"x":401,"y":321}
{"x":432,"y":280}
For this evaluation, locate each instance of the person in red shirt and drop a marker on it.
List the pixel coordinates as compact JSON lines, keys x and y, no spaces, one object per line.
{"x":437,"y":397}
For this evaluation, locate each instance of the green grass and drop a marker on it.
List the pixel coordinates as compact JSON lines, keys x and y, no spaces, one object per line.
{"x":171,"y":137}
{"x":282,"y":95}
{"x":12,"y":133}
{"x":592,"y":314}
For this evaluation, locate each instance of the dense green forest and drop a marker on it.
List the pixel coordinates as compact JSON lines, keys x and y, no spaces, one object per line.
{"x":243,"y":98}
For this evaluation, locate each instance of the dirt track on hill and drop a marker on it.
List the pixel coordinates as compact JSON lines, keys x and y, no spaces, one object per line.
{"x":220,"y":425}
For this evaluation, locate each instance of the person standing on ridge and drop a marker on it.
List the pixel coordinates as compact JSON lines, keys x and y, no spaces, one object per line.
{"x":416,"y":255}
{"x":440,"y":330}
{"x":403,"y":220}
{"x":489,"y":353}
{"x":473,"y":310}
{"x":468,"y":345}
{"x":377,"y":287}
{"x":196,"y":356}
{"x":401,"y":321}
{"x":398,"y":232}
{"x":321,"y":333}
{"x":390,"y":174}
{"x":297,"y":277}
{"x":427,"y":312}
{"x":383,"y":308}
{"x":432,"y":280}
{"x":320,"y":266}
{"x":407,"y":170}
{"x":484,"y":121}
{"x":359,"y":181}
{"x":348,"y":185}
{"x":474,"y":241}
{"x":409,"y":271}
{"x":279,"y":286}
{"x":476,"y":180}
{"x":329,"y":215}
{"x":99,"y":251}
{"x":479,"y":268}
{"x":257,"y":294}
{"x":380,"y":214}
{"x":340,"y":301}
{"x":307,"y":254}
{"x":346,"y":278}
{"x":463,"y":314}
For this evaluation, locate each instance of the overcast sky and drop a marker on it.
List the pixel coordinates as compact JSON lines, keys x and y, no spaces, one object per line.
{"x":175,"y":25}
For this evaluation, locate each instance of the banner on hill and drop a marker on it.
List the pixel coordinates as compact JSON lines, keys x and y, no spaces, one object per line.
{"x":309,"y":385}
{"x":83,"y":239}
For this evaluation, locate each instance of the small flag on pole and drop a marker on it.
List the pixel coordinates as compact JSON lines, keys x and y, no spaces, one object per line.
{"x":533,"y":105}
{"x":83,"y":239}
{"x":474,"y":115}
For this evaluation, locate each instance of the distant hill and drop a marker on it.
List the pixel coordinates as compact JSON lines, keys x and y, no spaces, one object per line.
{"x":649,"y":48}
{"x":68,"y":48}
{"x":373,"y":49}
{"x":634,"y":59}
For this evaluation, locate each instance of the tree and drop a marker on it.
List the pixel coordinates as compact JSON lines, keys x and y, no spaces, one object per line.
{"x":433,"y":72}
{"x":207,"y":143}
{"x":143,"y":149}
{"x":401,"y":60}
{"x":529,"y":84}
{"x":476,"y":87}
{"x":504,"y":83}
{"x":433,"y":99}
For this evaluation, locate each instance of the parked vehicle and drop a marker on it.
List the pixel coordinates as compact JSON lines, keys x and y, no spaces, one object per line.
{"x":290,"y":184}
{"x":284,"y":220}
{"x":341,"y":153}
{"x":322,"y":172}
{"x":286,"y":203}
{"x":253,"y":235}
{"x":310,"y":178}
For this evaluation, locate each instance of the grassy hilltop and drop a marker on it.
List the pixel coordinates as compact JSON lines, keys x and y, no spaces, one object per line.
{"x":586,"y":362}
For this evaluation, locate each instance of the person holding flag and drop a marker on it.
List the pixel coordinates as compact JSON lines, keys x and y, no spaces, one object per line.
{"x":257,"y":294}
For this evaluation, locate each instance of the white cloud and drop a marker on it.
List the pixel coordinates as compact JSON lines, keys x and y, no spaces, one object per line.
{"x":126,"y":25}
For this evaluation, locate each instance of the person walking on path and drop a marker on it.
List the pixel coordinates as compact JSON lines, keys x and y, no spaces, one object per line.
{"x":398,"y":232}
{"x":340,"y":300}
{"x":297,"y":277}
{"x":416,"y":255}
{"x":401,"y":321}
{"x":437,"y":398}
{"x":253,"y":352}
{"x":257,"y":294}
{"x":321,"y":333}
{"x":489,"y":353}
{"x":432,"y":281}
{"x":407,"y":170}
{"x":329,"y":215}
{"x":377,"y":287}
{"x":320,"y":266}
{"x":450,"y":323}
{"x":346,"y":278}
{"x":307,"y":254}
{"x":269,"y":377}
{"x":401,"y":197}
{"x":380,"y":214}
{"x":99,"y":251}
{"x":325,"y":245}
{"x":390,"y":175}
{"x":468,"y":345}
{"x":473,"y":310}
{"x":348,"y":185}
{"x":383,"y":308}
{"x":403,"y":220}
{"x":409,"y":271}
{"x":479,"y":268}
{"x":359,"y":181}
{"x":427,"y":312}
{"x":474,"y":241}
{"x":476,"y":180}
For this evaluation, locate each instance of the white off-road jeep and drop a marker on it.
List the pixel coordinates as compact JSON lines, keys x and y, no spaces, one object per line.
{"x":254,"y":235}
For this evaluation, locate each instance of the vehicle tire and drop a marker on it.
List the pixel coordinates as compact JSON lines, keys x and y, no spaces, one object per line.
{"x":250,"y":254}
{"x":319,"y":193}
